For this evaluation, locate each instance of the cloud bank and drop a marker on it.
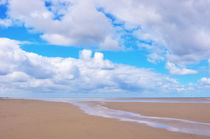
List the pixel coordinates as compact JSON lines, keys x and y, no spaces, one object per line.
{"x":176,"y":33}
{"x":29,"y":72}
{"x":26,"y":72}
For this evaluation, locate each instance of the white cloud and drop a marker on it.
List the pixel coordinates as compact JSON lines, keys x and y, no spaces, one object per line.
{"x":176,"y":31}
{"x":85,"y":55}
{"x":179,"y":71}
{"x":180,"y":29}
{"x":155,"y":58}
{"x":80,"y":23}
{"x":5,"y":22}
{"x":57,"y":39}
{"x":28,"y":72}
{"x":110,"y":44}
{"x":205,"y":80}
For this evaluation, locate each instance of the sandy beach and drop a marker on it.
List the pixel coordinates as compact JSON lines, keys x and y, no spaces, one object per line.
{"x":190,"y":111}
{"x":34,"y":119}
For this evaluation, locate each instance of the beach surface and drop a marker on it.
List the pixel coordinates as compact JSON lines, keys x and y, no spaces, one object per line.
{"x":190,"y":111}
{"x":34,"y":119}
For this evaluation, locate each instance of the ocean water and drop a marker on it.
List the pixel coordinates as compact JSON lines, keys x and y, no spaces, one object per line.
{"x":95,"y":107}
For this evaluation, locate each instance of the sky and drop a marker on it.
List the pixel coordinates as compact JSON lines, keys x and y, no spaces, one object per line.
{"x":104,"y":48}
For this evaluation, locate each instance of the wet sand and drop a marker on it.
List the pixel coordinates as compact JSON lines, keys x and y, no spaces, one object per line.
{"x":24,"y":119}
{"x":189,"y":111}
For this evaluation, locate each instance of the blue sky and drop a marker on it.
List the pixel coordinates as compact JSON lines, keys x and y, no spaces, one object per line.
{"x":91,"y":48}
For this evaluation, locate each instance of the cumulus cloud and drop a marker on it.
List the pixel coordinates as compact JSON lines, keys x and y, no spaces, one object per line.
{"x":65,"y":22}
{"x":110,"y":44}
{"x":85,"y":55}
{"x":28,"y":72}
{"x":57,"y":39}
{"x":179,"y":71}
{"x":182,"y":27}
{"x":176,"y":31}
{"x":205,"y":80}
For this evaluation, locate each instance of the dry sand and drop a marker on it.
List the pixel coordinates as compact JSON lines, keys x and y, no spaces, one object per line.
{"x":29,"y":119}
